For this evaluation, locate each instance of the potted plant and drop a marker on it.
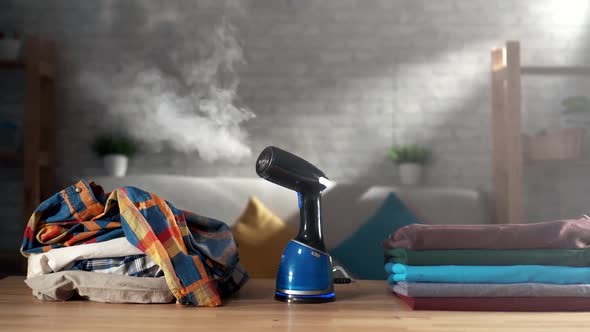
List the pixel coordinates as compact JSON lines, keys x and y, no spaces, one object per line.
{"x":410,"y":159}
{"x":576,"y":104}
{"x":115,"y":151}
{"x":561,"y":143}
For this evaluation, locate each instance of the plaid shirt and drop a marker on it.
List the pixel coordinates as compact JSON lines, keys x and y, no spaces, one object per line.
{"x":134,"y":266}
{"x":198,"y":255}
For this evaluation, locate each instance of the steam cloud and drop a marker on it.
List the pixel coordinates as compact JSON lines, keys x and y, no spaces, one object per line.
{"x":188,"y":103}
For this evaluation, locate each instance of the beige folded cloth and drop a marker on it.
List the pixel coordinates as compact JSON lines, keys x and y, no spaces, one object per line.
{"x":62,"y":258}
{"x":61,"y":286}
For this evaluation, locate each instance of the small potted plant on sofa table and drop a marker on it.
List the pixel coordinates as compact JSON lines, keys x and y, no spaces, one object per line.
{"x":115,"y":151}
{"x":410,"y":160}
{"x":565,"y":143}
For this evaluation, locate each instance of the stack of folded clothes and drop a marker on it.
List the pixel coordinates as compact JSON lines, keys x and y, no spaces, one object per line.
{"x":520,"y":267}
{"x":128,"y":246}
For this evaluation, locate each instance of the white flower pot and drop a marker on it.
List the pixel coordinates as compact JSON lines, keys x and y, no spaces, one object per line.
{"x":410,"y":173}
{"x":115,"y":164}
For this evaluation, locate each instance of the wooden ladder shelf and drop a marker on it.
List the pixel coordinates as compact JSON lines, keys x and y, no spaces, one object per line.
{"x":506,"y":74}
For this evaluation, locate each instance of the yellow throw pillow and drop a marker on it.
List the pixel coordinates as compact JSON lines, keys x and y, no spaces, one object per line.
{"x":261,"y":238}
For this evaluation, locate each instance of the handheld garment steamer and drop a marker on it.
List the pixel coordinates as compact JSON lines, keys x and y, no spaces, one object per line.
{"x":305,"y":270}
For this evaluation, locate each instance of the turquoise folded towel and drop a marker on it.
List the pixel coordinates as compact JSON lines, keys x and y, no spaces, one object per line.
{"x":561,"y":275}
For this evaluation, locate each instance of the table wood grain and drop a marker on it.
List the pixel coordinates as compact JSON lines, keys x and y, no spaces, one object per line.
{"x":361,"y":306}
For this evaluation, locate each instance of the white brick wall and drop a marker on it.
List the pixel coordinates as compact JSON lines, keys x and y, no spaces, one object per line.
{"x":335,"y":81}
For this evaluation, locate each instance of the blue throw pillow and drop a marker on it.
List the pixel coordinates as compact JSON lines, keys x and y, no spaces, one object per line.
{"x":362,"y":253}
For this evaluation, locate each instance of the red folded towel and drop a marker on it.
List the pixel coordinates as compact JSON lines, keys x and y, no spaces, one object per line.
{"x":498,"y":303}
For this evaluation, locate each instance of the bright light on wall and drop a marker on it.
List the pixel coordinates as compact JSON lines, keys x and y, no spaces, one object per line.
{"x":568,"y":12}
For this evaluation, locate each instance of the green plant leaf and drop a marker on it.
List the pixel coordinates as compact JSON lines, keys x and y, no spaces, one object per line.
{"x":576,"y":104}
{"x":106,"y":144}
{"x":411,"y":153}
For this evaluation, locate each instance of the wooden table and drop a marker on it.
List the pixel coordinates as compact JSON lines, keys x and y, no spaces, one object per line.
{"x":364,"y":305}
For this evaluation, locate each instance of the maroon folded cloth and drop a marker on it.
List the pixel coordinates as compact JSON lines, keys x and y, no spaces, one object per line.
{"x":498,"y":303}
{"x":561,"y":234}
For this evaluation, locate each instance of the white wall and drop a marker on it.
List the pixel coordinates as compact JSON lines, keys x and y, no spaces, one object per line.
{"x":335,"y":81}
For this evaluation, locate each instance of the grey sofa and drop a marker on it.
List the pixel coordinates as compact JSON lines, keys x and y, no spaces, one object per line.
{"x":345,"y":206}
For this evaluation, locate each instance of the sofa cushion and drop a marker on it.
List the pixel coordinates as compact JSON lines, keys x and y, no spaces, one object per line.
{"x":261,"y":238}
{"x":362,"y":253}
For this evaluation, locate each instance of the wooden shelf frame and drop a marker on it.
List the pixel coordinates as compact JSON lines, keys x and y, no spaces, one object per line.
{"x":10,"y":156}
{"x":39,"y":122}
{"x":37,"y":157}
{"x":12,"y":64}
{"x":506,"y":75}
{"x":556,"y":71}
{"x":46,"y":69}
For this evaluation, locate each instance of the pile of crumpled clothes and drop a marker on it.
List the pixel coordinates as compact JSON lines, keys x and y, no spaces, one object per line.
{"x":129,"y":246}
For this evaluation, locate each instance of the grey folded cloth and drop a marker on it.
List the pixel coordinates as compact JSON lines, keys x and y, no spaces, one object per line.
{"x":422,"y":289}
{"x":101,"y":287}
